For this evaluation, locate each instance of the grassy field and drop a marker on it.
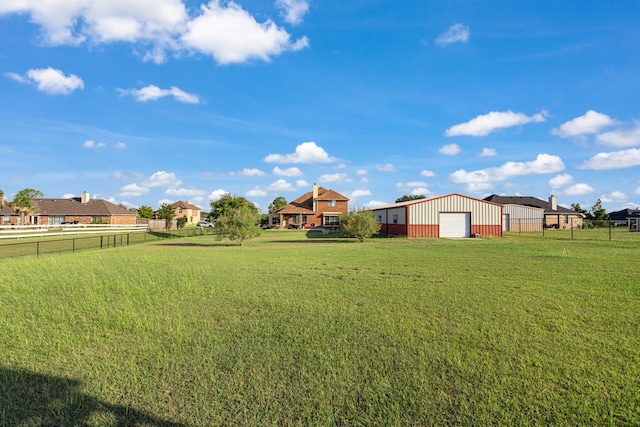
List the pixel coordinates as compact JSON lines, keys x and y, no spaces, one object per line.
{"x":296,"y":331}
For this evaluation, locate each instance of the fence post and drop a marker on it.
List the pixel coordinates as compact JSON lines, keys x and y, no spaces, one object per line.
{"x":37,"y":249}
{"x":101,"y":242}
{"x":609,"y":229}
{"x":571,"y":225}
{"x":73,"y":245}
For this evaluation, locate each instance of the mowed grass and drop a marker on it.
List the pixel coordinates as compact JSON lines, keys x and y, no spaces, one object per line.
{"x":295,"y":331}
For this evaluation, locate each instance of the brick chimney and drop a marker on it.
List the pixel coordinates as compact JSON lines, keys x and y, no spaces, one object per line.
{"x":85,"y":197}
{"x":315,"y":197}
{"x":553,"y":203}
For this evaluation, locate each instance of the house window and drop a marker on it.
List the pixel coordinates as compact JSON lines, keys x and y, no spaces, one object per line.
{"x":57,"y":219}
{"x":565,"y":219}
{"x":395,"y":218}
{"x":7,"y":219}
{"x":304,"y":219}
{"x":95,"y":219}
{"x":294,"y":220}
{"x":275,"y":220}
{"x":331,"y":203}
{"x":379,"y":218}
{"x":179,"y":210}
{"x":331,"y":221}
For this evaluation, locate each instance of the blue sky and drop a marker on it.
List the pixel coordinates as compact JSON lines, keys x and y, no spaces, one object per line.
{"x":142,"y":102}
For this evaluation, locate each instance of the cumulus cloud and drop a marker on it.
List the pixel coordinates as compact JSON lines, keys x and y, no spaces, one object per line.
{"x":427,"y":173}
{"x":307,"y":152}
{"x":119,"y":145}
{"x":163,"y":179}
{"x":543,"y":164}
{"x":614,"y":197}
{"x":133,"y":190}
{"x":621,"y":138}
{"x":487,"y":152}
{"x":185,"y":192}
{"x":92,"y":144}
{"x":252,"y":172}
{"x":359,"y":193}
{"x":153,"y":93}
{"x":49,"y":80}
{"x":301,"y":183}
{"x":335,"y":177}
{"x":281,"y":185}
{"x":362,"y":172}
{"x":231,"y":35}
{"x":589,"y":123}
{"x":217,"y":194}
{"x":450,"y":149}
{"x":293,"y":10}
{"x":457,"y":33}
{"x":256,"y":192}
{"x":578,"y":190}
{"x":221,"y":29}
{"x":560,"y":180}
{"x":287,"y":172}
{"x":613,"y":160}
{"x":486,"y":123}
{"x":386,"y":168}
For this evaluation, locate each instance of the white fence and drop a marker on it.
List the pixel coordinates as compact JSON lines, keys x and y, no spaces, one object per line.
{"x":24,"y":231}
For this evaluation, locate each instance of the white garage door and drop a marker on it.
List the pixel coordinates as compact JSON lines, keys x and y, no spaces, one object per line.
{"x":455,"y":224}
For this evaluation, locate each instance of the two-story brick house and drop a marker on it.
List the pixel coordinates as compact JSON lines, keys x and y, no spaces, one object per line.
{"x":317,"y":208}
{"x":184,"y":209}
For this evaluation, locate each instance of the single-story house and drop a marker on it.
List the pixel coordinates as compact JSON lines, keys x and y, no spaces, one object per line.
{"x":80,"y":210}
{"x":319,"y":207}
{"x":453,"y":215}
{"x":184,"y":209}
{"x":554,"y":216}
{"x":621,"y":217}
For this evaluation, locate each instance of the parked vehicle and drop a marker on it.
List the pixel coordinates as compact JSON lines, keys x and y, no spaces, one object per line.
{"x":204,"y":224}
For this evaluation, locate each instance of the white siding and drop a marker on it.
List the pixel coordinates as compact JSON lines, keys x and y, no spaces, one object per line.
{"x":482,"y":212}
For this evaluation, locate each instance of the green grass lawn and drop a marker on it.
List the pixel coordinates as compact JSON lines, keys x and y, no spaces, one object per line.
{"x":324,"y":331}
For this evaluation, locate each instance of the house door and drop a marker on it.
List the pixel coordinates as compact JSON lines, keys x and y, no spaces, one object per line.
{"x":505,"y":222}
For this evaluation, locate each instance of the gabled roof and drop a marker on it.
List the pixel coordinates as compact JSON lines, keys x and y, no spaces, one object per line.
{"x":623,"y":214}
{"x":184,"y":205}
{"x":304,"y":203}
{"x":72,"y":206}
{"x":529,"y":201}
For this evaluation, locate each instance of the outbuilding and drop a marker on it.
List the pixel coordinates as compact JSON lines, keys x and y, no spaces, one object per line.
{"x":452,"y":216}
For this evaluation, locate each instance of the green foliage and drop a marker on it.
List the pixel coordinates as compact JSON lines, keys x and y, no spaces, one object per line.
{"x":228,"y":203}
{"x":23,"y":202}
{"x":577,"y":208}
{"x":598,"y":212}
{"x":277,"y":204}
{"x":145,"y":212}
{"x":237,"y":219}
{"x":409,"y":197}
{"x":360,"y":224}
{"x":166,"y":212}
{"x":180,"y":222}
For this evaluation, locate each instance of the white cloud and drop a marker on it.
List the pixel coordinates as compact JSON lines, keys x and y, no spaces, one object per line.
{"x":217,"y":194}
{"x":185,"y":192}
{"x":544,"y":163}
{"x":560,"y":180}
{"x":293,"y":10}
{"x":362,"y":172}
{"x":420,"y":191}
{"x":252,"y":172}
{"x":359,"y":193}
{"x":486,"y":123}
{"x":578,"y":190}
{"x":487,"y":152}
{"x":281,"y":185}
{"x":479,"y":187}
{"x":163,"y":179}
{"x":287,"y":172}
{"x":636,"y":191}
{"x":49,"y":80}
{"x":256,"y":192}
{"x":92,"y":144}
{"x":153,"y":93}
{"x":307,"y":152}
{"x":133,"y":190}
{"x":457,"y":33}
{"x":613,"y":160}
{"x":427,"y":173}
{"x":119,"y":145}
{"x":450,"y":149}
{"x":221,"y":29}
{"x":589,"y":123}
{"x":335,"y":177}
{"x":374,"y":204}
{"x":622,"y":137}
{"x":386,"y":168}
{"x":231,"y":35}
{"x":301,"y":183}
{"x":614,"y":197}
{"x":404,"y":186}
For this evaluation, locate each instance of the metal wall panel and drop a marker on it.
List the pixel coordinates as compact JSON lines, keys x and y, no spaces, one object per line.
{"x":482,"y":212}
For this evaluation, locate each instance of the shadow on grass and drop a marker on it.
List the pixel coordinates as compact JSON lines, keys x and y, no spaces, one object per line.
{"x":30,"y":399}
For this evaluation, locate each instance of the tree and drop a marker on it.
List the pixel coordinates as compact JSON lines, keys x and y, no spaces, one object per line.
{"x":598,"y":212}
{"x":23,"y":202}
{"x":145,"y":212}
{"x":576,"y":208}
{"x":180,"y":222}
{"x":228,"y":203}
{"x":277,"y":204}
{"x":167,"y":212}
{"x":237,"y":224}
{"x":1,"y":198}
{"x":359,"y":223}
{"x":409,"y":197}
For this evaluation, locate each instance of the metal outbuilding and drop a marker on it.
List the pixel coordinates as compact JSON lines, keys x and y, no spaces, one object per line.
{"x":453,"y":215}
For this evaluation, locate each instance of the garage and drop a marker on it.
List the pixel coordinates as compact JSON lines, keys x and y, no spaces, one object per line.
{"x":455,"y":224}
{"x":451,"y":216}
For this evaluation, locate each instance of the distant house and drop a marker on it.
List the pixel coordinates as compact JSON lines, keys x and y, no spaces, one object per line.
{"x":453,"y":216}
{"x":317,"y":208}
{"x":621,"y":217}
{"x":79,"y":210}
{"x":189,"y":211}
{"x":554,"y":216}
{"x":634,"y":221}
